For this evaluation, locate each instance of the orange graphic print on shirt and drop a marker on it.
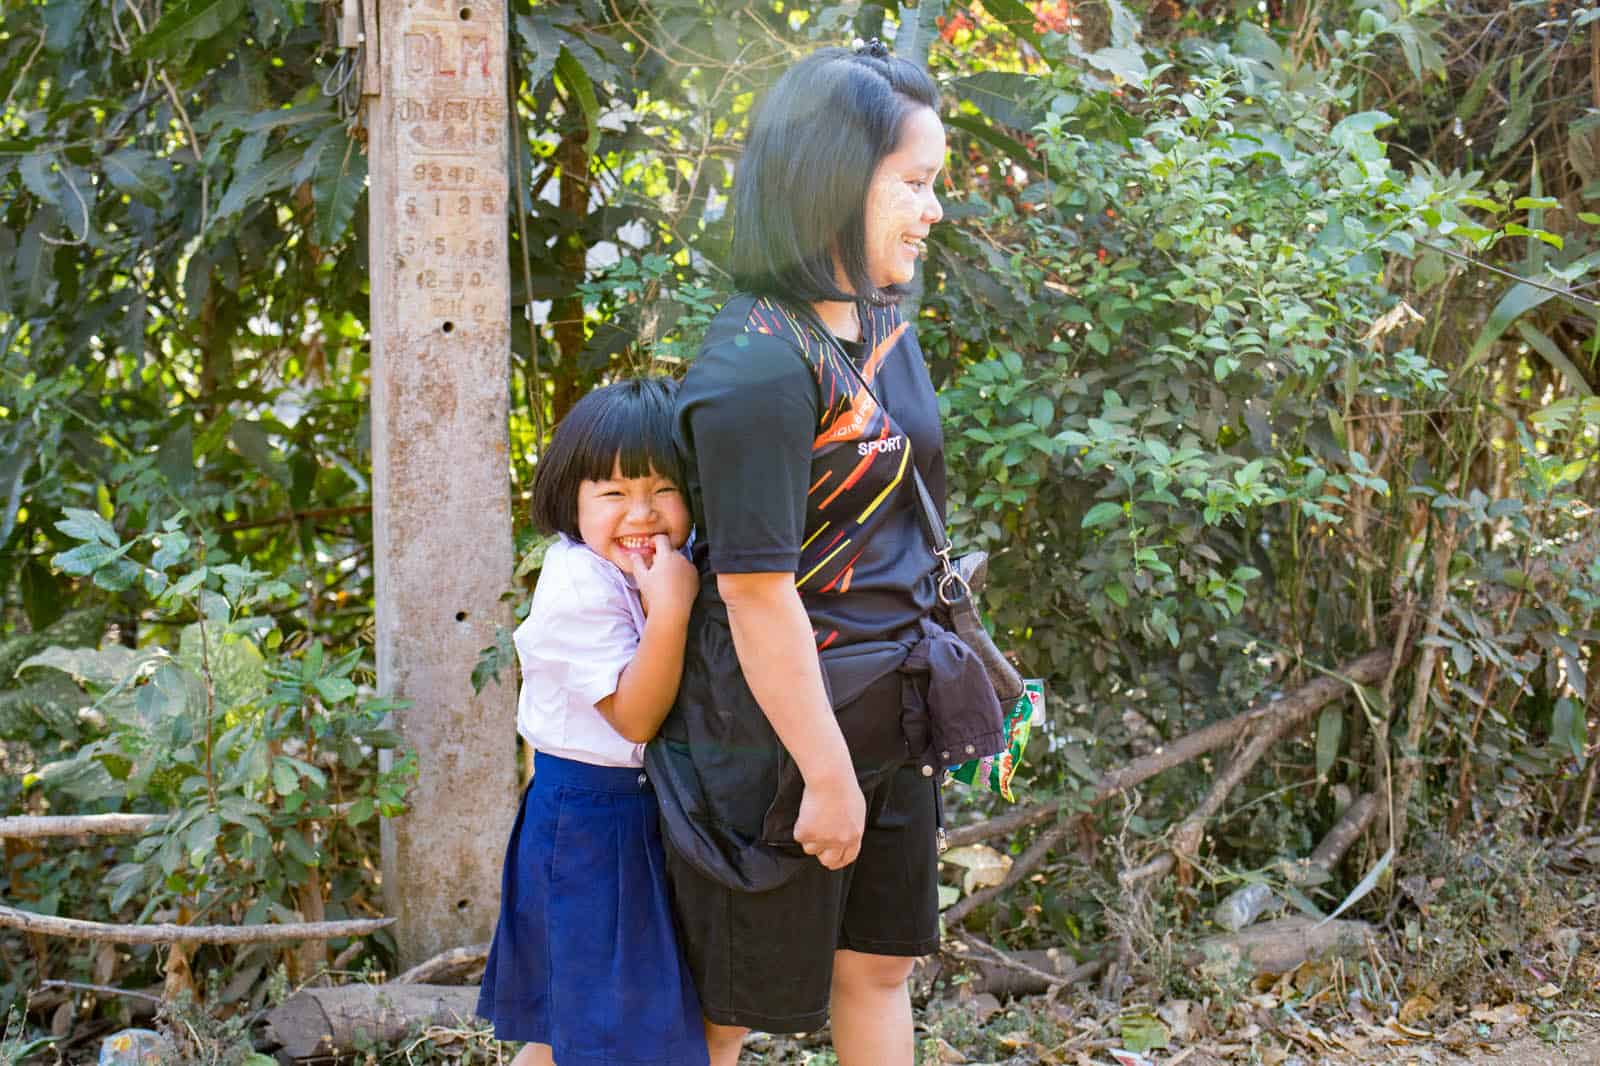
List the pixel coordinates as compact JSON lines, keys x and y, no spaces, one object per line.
{"x":860,"y":456}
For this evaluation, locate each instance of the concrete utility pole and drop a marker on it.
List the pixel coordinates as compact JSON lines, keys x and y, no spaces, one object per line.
{"x":440,"y":469}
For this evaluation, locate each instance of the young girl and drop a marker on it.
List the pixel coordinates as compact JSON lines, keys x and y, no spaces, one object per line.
{"x":585,"y":964}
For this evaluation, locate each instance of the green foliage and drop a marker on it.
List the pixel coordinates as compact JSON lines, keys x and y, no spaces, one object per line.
{"x":1198,"y":297}
{"x":1208,"y":439}
{"x":263,"y":760}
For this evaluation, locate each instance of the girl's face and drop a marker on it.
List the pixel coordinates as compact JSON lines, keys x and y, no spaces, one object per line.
{"x":618,"y":518}
{"x":901,"y":206}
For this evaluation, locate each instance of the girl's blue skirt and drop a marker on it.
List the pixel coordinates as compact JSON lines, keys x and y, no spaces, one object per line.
{"x":585,"y":956}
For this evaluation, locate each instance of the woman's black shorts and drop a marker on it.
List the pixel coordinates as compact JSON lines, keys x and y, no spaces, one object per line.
{"x":765,"y":960}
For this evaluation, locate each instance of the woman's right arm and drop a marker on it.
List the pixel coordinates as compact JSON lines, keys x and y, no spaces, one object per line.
{"x":772,"y":638}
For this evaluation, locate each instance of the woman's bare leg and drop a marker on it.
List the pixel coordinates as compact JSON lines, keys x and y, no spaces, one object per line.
{"x":871,"y":1012}
{"x":724,"y":1041}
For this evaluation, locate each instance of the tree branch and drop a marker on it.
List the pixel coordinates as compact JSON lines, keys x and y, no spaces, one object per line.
{"x":1291,"y":709}
{"x":32,"y":827}
{"x":49,"y":925}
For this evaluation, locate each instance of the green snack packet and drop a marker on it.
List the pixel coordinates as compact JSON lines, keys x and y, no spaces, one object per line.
{"x":995,"y":770}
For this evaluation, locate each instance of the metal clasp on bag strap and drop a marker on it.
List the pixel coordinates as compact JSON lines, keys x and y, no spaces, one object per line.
{"x":953,"y":588}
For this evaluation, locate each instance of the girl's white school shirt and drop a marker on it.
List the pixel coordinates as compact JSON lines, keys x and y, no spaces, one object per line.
{"x":582,"y":629}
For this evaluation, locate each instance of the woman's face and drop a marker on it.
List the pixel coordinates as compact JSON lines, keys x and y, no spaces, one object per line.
{"x":901,"y":206}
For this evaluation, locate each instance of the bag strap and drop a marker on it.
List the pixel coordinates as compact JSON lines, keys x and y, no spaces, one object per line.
{"x":952,"y":586}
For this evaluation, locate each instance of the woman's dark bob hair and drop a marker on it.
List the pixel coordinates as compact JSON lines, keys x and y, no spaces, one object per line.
{"x":800,"y":191}
{"x":628,"y":423}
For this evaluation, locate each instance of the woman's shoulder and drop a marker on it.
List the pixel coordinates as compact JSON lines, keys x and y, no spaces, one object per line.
{"x":753,"y":341}
{"x":759,"y":326}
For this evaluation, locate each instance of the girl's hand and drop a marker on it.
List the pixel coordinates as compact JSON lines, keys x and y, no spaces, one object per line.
{"x":669,"y":583}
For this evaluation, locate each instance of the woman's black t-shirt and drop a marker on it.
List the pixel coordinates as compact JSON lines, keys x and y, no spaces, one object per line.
{"x":794,"y":467}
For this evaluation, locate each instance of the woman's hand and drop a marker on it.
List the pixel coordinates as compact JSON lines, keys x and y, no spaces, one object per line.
{"x":833,"y":815}
{"x":669,"y":582}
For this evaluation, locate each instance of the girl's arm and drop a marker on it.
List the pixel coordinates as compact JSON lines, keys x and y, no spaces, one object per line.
{"x":778,"y":655}
{"x":649,"y":683}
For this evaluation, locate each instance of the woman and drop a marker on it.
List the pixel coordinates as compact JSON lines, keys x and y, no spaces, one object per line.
{"x":802,"y":828}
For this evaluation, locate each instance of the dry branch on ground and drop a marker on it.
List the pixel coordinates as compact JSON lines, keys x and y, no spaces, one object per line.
{"x":166,"y":933}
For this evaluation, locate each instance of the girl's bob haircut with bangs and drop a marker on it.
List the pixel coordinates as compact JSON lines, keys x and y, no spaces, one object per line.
{"x":800,"y":190}
{"x":627,"y":424}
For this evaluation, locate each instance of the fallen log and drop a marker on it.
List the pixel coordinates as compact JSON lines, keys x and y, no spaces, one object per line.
{"x":1279,"y":946}
{"x":1292,"y":709}
{"x":332,"y":1021}
{"x":454,"y":961}
{"x":165,"y":933}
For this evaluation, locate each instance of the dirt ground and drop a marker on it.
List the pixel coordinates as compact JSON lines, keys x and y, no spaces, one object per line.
{"x":1530,"y":1051}
{"x":1583,"y":1049}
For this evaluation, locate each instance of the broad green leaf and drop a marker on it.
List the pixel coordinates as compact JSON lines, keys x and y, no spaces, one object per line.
{"x":1142,"y":1031}
{"x":117,"y":575}
{"x":83,"y":524}
{"x":83,"y":560}
{"x":237,"y":669}
{"x":251,"y":440}
{"x":1016,"y":17}
{"x":285,"y":780}
{"x":359,"y":811}
{"x":77,"y":199}
{"x":1368,"y":883}
{"x":185,"y":22}
{"x":1126,"y":64}
{"x":99,"y":668}
{"x":200,"y":840}
{"x":1002,"y":97}
{"x":1364,"y":123}
{"x":576,"y":80}
{"x":144,"y":176}
{"x":1569,"y":733}
{"x":38,"y":178}
{"x":83,"y":777}
{"x":543,"y":40}
{"x":1518,"y":300}
{"x":1330,"y":730}
{"x":62,"y":20}
{"x":1512,"y":229}
{"x":1103,"y":513}
{"x":341,"y":177}
{"x":335,"y":689}
{"x":253,"y":187}
{"x":978,"y":127}
{"x":170,"y":548}
{"x":295,"y":844}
